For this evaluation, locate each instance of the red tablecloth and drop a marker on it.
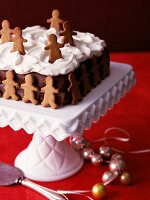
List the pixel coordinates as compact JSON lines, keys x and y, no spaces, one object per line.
{"x":131,"y":114}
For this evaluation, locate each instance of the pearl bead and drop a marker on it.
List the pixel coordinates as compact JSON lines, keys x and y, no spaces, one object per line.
{"x":96,"y":159}
{"x":87,"y":153}
{"x":78,"y":143}
{"x":125,"y":178}
{"x":107,"y":176}
{"x":116,"y":165}
{"x":117,"y":156}
{"x":105,"y":151}
{"x":99,"y":191}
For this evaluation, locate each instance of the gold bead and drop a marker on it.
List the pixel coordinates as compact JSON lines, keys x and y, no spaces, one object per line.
{"x":125,"y":178}
{"x":99,"y":191}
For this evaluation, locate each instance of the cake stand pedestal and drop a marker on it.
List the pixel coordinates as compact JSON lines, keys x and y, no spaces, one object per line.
{"x":48,"y":157}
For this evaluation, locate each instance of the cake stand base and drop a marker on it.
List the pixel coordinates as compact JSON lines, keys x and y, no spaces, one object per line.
{"x":46,"y":159}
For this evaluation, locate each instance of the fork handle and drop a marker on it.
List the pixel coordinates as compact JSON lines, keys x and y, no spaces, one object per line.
{"x":46,"y":192}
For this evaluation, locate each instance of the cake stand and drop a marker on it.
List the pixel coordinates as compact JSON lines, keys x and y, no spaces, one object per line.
{"x":48,"y":157}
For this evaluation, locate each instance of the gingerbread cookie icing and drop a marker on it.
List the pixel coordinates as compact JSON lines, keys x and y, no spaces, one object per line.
{"x":36,"y":58}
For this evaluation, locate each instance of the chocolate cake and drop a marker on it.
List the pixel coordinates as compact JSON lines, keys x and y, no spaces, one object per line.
{"x":66,"y":80}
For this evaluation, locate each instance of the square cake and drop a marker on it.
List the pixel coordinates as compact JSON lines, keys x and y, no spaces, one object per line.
{"x":52,"y":67}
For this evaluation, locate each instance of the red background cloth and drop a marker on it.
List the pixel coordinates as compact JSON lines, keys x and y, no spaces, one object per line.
{"x":123,"y":24}
{"x":132,"y":114}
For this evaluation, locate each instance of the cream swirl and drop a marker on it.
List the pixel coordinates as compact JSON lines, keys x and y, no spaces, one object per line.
{"x":36,"y":58}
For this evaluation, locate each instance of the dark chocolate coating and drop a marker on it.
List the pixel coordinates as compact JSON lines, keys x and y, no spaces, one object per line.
{"x":61,"y":81}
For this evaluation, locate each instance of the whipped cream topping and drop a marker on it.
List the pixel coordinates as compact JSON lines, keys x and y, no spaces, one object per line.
{"x":36,"y":58}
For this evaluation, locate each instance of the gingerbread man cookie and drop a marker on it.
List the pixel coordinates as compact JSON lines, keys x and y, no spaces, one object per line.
{"x":74,"y":89}
{"x":10,"y":86}
{"x":53,"y":47}
{"x":67,"y":33}
{"x":29,"y":90}
{"x":6,"y":32}
{"x":49,"y":93}
{"x":18,"y":41}
{"x":55,"y":21}
{"x":85,"y":80}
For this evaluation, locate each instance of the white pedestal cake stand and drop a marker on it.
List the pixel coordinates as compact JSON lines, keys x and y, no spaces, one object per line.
{"x":48,"y":157}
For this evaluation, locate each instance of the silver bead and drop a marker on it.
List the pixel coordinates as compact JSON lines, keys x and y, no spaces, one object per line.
{"x":105,"y":151}
{"x":87,"y":153}
{"x":96,"y":159}
{"x":117,"y":165}
{"x":71,"y":139}
{"x":107,"y":176}
{"x":117,"y":156}
{"x":78,"y":143}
